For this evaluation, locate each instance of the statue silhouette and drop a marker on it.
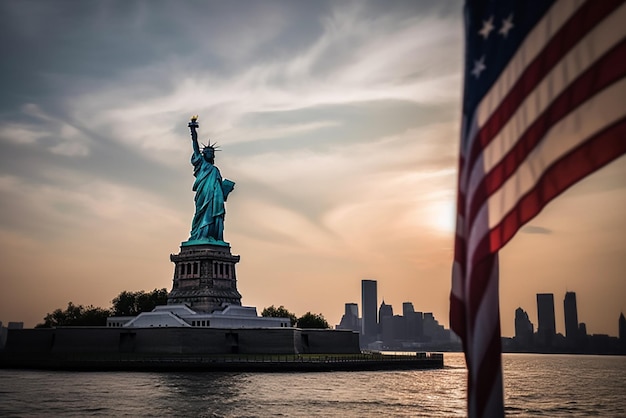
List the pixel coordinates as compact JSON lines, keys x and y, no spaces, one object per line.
{"x":211,"y":192}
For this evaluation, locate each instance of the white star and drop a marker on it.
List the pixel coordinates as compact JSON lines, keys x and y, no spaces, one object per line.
{"x":507,"y":25}
{"x":479,"y":67}
{"x":487,"y":28}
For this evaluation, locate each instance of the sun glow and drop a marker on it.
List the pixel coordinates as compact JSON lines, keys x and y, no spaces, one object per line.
{"x":441,"y":214}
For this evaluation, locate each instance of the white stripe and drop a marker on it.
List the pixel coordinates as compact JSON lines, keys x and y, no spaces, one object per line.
{"x":463,"y":186}
{"x":579,"y":59}
{"x":494,"y":404}
{"x":600,"y":111}
{"x":535,"y":41}
{"x":485,"y":322}
{"x":457,"y":281}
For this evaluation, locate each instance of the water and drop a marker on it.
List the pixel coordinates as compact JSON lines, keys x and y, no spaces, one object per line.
{"x":535,"y":385}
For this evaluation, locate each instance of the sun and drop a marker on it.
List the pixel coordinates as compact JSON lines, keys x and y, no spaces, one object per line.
{"x":442,"y":216}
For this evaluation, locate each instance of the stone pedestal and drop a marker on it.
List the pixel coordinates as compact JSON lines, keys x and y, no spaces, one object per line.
{"x":204,"y":277}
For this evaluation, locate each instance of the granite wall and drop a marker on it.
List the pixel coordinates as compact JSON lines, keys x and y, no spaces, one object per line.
{"x":182,"y":340}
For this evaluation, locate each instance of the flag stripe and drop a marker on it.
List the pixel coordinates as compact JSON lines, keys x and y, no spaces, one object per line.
{"x":457,"y":319}
{"x":610,"y":68}
{"x":489,"y":370}
{"x":587,"y":158}
{"x":483,"y":328}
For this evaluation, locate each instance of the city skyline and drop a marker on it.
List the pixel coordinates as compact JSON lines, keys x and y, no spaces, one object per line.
{"x":339,"y":123}
{"x":545,"y":302}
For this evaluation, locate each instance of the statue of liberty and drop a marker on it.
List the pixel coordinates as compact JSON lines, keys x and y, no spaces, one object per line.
{"x":207,"y":226}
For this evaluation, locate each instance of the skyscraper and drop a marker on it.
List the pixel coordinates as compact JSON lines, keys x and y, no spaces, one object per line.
{"x":369,"y":323}
{"x":546,"y":329}
{"x":622,"y":328}
{"x":523,"y":328}
{"x":571,"y":316}
{"x":350,"y":319}
{"x":410,"y":321}
{"x":385,"y":322}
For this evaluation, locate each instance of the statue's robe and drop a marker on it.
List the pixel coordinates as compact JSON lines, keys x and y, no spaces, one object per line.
{"x":211,"y":193}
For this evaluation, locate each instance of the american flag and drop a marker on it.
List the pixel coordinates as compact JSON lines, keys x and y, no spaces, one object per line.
{"x":544,"y":105}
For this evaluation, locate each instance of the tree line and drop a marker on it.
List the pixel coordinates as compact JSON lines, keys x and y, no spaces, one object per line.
{"x":308,"y":320}
{"x":125,"y":304}
{"x":133,"y":303}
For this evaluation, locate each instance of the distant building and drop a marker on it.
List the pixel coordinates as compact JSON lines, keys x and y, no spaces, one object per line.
{"x":3,"y":336}
{"x":350,"y":319}
{"x":547,"y":325}
{"x":180,"y":316}
{"x":622,"y":328}
{"x":398,"y":329}
{"x":571,"y":317}
{"x":412,"y":322}
{"x":385,"y":318}
{"x":369,"y":302}
{"x":524,"y":329}
{"x":419,"y":322}
{"x":433,"y":331}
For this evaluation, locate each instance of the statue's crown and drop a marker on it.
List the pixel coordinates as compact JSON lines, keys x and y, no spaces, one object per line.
{"x":213,"y":147}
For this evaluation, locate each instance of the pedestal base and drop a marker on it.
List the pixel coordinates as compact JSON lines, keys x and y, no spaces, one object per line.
{"x":204,"y":276}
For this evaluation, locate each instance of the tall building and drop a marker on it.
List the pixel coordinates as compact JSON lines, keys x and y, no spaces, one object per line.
{"x":433,"y":331}
{"x":571,"y":316}
{"x":622,"y":328}
{"x":385,"y":322}
{"x":524,"y":329}
{"x":410,"y":320}
{"x":350,"y":318}
{"x":546,"y":329}
{"x":407,"y":308}
{"x":369,"y":298}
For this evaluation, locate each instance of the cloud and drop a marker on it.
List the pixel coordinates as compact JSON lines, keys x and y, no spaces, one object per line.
{"x":533,"y":229}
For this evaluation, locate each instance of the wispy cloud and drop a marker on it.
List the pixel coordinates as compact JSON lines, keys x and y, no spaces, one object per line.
{"x":534,"y":229}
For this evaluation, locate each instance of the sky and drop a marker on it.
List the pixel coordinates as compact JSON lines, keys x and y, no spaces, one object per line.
{"x":338,"y":122}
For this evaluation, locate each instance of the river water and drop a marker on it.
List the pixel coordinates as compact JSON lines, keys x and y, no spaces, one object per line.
{"x":535,"y":385}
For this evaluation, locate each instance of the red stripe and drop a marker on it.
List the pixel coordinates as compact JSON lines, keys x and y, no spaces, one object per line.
{"x":460,"y":199}
{"x":479,"y":280}
{"x":489,"y":372}
{"x":595,"y":153}
{"x":460,"y":253}
{"x":585,"y":18}
{"x":457,"y":318}
{"x":610,"y":68}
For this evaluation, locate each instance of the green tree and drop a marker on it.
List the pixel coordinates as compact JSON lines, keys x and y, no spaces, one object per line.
{"x":74,"y":316}
{"x":280,"y":312}
{"x":311,"y":320}
{"x":133,"y":303}
{"x":125,"y":304}
{"x":94,"y":316}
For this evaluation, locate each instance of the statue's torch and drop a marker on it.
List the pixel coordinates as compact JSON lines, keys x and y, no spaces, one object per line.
{"x":193,"y":123}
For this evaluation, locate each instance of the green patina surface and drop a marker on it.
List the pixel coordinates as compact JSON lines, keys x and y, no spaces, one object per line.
{"x":204,"y":241}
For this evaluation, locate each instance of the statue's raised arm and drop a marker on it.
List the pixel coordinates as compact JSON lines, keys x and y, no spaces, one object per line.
{"x":211,"y":193}
{"x":193,"y":125}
